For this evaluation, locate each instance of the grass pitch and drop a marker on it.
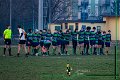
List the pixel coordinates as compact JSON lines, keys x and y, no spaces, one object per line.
{"x":54,"y":67}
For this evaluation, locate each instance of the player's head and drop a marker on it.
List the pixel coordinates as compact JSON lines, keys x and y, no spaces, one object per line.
{"x":49,"y":31}
{"x":67,"y":31}
{"x":109,"y":31}
{"x":76,"y":30}
{"x":88,"y":28}
{"x":8,"y":26}
{"x":94,"y":28}
{"x":30,"y":30}
{"x":104,"y":32}
{"x":44,"y":30}
{"x":19,"y":27}
{"x":36,"y":31}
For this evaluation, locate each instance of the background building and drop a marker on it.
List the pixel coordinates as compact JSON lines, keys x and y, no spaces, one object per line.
{"x":31,"y":13}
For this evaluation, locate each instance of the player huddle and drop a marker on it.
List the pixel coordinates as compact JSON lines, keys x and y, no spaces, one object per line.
{"x":90,"y":42}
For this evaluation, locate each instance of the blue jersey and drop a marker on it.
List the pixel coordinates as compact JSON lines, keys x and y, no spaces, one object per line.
{"x":43,"y":35}
{"x":55,"y":37}
{"x":92,"y":35}
{"x":48,"y":36}
{"x":96,"y":38}
{"x":103,"y":37}
{"x":74,"y":35}
{"x":108,"y":37}
{"x":100,"y":37}
{"x":87,"y":35}
{"x":81,"y":35}
{"x":36,"y":38}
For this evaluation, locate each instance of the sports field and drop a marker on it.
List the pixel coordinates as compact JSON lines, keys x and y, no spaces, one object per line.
{"x":54,"y":67}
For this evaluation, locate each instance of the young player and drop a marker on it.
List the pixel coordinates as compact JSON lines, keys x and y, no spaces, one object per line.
{"x":108,"y":41}
{"x":63,"y":42}
{"x":48,"y":40}
{"x":103,"y":41}
{"x":29,"y":40}
{"x":81,"y":41}
{"x":59,"y":42}
{"x":99,"y":43}
{"x":22,"y":40}
{"x":87,"y":41}
{"x":74,"y":40}
{"x":92,"y":39}
{"x":67,"y":38}
{"x":96,"y":44}
{"x":54,"y":42}
{"x":7,"y":39}
{"x":36,"y":42}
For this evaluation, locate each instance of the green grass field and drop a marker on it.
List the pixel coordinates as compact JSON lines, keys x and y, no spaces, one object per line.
{"x":54,"y":67}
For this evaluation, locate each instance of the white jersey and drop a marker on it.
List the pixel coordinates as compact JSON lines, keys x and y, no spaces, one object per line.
{"x":21,"y":31}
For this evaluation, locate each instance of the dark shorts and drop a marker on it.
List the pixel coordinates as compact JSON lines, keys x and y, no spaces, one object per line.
{"x":107,"y":44}
{"x":47,"y":45}
{"x":35,"y":44}
{"x":7,"y":41}
{"x":22,"y":42}
{"x":103,"y":43}
{"x":92,"y":42}
{"x":41,"y":43}
{"x":54,"y":43}
{"x":59,"y":42}
{"x":67,"y":43}
{"x":81,"y":42}
{"x":86,"y":42}
{"x":99,"y":42}
{"x":28,"y":43}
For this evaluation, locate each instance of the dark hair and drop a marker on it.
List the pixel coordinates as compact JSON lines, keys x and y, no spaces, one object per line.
{"x":7,"y":26}
{"x":19,"y":26}
{"x":94,"y":27}
{"x":109,"y":31}
{"x":40,"y":30}
{"x":88,"y":28}
{"x":104,"y":31}
{"x":75,"y":30}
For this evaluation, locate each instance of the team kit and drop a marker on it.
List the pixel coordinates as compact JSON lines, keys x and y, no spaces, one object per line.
{"x":89,"y":41}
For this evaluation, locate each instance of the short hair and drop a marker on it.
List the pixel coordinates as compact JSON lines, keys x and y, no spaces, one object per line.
{"x":109,"y":31}
{"x":88,"y":28}
{"x":104,"y":31}
{"x":7,"y":26}
{"x":94,"y":27}
{"x":19,"y":26}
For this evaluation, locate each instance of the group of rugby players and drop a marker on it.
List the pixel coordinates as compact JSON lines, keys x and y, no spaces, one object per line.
{"x":90,"y":42}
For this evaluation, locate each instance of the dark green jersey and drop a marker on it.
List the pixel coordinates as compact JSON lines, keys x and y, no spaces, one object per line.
{"x":81,"y":35}
{"x":54,"y":37}
{"x":92,"y":35}
{"x":87,"y":35}
{"x":48,"y":36}
{"x":74,"y":35}
{"x":36,"y":38}
{"x":96,"y":38}
{"x":103,"y":37}
{"x":100,"y":37}
{"x":43,"y":35}
{"x":67,"y":36}
{"x":108,"y":37}
{"x":29,"y":36}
